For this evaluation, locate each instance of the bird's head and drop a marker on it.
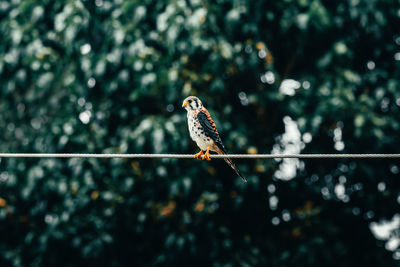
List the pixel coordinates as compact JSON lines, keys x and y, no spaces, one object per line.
{"x":192,"y":103}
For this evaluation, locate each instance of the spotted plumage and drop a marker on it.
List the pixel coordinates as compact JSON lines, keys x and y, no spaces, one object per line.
{"x":204,"y":132}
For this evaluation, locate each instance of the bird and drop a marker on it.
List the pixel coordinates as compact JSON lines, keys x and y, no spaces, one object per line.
{"x":204,"y":132}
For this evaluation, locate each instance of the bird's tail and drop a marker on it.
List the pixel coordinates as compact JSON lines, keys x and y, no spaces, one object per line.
{"x":233,"y":166}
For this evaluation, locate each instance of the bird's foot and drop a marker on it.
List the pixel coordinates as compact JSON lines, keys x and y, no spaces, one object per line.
{"x":198,"y":155}
{"x":206,"y":156}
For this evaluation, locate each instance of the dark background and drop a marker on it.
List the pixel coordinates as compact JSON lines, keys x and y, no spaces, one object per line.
{"x":309,"y":76}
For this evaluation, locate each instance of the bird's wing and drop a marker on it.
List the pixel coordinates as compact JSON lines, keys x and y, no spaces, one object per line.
{"x":211,"y":131}
{"x":209,"y":127}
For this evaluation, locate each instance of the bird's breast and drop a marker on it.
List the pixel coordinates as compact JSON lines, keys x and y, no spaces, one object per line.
{"x":197,"y":132}
{"x":195,"y":128}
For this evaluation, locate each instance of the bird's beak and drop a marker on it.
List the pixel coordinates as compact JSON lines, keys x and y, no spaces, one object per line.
{"x":185,"y":104}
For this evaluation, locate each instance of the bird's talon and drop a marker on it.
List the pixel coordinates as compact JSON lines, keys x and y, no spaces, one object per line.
{"x":198,"y":155}
{"x":206,"y":156}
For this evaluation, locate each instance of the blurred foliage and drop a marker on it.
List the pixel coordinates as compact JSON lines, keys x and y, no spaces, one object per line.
{"x":109,"y":77}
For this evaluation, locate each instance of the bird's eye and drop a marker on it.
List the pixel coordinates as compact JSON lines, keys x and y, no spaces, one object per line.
{"x":190,"y":101}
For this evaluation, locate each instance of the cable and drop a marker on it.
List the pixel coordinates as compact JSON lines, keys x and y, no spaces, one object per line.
{"x":190,"y":156}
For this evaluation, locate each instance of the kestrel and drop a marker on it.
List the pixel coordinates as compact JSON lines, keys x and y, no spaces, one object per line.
{"x":203,"y":131}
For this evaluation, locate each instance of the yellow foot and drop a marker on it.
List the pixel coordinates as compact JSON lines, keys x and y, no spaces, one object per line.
{"x":198,"y":155}
{"x":207,"y":155}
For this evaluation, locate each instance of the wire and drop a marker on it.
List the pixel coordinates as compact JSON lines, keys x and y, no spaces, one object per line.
{"x":190,"y":156}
